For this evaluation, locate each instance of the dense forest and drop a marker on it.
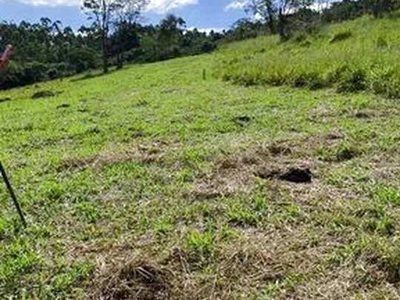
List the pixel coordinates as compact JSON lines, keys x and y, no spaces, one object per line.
{"x":48,"y":50}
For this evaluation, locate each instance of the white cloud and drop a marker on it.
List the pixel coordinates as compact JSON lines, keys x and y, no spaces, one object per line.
{"x":157,"y":6}
{"x":237,"y":5}
{"x":207,"y":30}
{"x":164,"y":6}
{"x":51,"y":2}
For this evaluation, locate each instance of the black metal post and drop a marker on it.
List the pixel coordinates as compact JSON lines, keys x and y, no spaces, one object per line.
{"x":12,"y":194}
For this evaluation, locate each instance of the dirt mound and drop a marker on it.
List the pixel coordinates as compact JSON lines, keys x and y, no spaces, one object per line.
{"x":238,"y":173}
{"x":292,"y":174}
{"x":64,"y":105}
{"x":363,"y":115}
{"x":139,"y":280}
{"x":44,"y":94}
{"x":242,"y":120}
{"x":334,"y":136}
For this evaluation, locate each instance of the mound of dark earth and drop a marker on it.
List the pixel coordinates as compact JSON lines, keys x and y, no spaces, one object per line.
{"x":44,"y":94}
{"x":292,"y":174}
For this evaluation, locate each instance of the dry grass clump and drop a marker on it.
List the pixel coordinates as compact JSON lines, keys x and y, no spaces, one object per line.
{"x":132,"y":279}
{"x":137,"y":153}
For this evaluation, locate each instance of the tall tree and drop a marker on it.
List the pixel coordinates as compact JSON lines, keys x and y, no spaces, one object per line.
{"x":170,"y":30}
{"x":378,"y":7}
{"x":275,"y":13}
{"x":102,"y":12}
{"x":125,"y":27}
{"x":265,"y":10}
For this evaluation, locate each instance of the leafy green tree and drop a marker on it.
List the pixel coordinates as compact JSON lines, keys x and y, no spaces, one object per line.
{"x":275,"y":13}
{"x":125,"y":28}
{"x":378,"y":7}
{"x":170,"y":31}
{"x":102,"y":12}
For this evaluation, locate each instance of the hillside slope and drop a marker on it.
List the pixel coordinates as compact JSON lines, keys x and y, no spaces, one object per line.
{"x":354,"y":56}
{"x":153,"y":183}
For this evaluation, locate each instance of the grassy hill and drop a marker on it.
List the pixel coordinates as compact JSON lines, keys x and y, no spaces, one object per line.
{"x":154,"y":183}
{"x":361,"y":55}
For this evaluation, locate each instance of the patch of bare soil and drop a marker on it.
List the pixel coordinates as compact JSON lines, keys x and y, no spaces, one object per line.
{"x":138,"y":153}
{"x":370,"y":114}
{"x":324,"y":114}
{"x":292,"y":174}
{"x":364,"y":114}
{"x":293,"y":163}
{"x":237,"y":174}
{"x":334,"y":136}
{"x":321,"y":114}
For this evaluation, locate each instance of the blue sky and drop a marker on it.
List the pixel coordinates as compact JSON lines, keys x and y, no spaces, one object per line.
{"x":203,"y":14}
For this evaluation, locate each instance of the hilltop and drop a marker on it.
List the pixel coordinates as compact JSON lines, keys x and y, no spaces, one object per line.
{"x":267,"y":178}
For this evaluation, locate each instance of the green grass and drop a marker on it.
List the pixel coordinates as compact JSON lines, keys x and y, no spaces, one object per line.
{"x":143,"y":182}
{"x":350,"y":57}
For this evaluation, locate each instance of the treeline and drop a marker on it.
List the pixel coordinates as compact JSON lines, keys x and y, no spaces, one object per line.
{"x":47,"y":50}
{"x":286,"y":17}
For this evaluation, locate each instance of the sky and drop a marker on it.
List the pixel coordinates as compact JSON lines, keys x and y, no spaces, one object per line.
{"x":202,"y":14}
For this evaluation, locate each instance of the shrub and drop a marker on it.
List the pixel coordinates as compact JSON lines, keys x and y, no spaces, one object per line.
{"x":348,"y":78}
{"x":21,"y":75}
{"x":386,"y":82}
{"x":382,"y":43}
{"x":341,"y":36}
{"x":311,"y":80}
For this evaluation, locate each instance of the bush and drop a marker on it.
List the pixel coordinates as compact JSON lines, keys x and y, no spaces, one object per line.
{"x":311,"y":80}
{"x":382,"y":43}
{"x":353,"y":81}
{"x":21,"y":75}
{"x":349,"y":79}
{"x":386,"y":82}
{"x":342,"y":36}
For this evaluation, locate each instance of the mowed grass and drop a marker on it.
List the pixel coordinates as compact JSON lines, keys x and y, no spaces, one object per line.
{"x":147,"y":184}
{"x":361,"y":55}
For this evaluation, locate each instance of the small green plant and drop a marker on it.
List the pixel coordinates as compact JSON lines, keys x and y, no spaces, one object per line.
{"x":241,"y":216}
{"x":340,"y":153}
{"x":201,"y":243}
{"x":89,"y":211}
{"x":352,"y":80}
{"x":163,"y":226}
{"x":387,"y":195}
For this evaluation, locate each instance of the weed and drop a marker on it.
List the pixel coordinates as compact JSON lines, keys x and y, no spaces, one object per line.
{"x":201,"y":244}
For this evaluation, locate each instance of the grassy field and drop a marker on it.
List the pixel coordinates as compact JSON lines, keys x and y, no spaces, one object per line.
{"x":153,"y":183}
